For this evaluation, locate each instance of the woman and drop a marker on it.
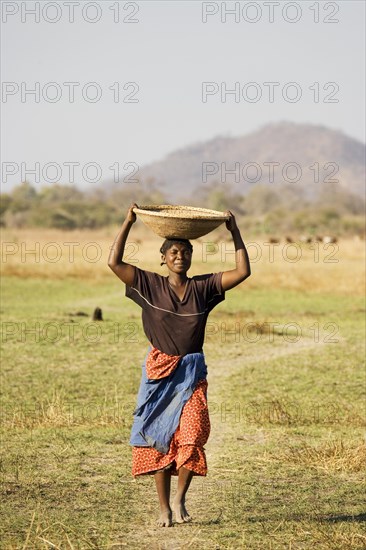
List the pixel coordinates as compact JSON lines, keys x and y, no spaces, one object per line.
{"x":171,"y":422}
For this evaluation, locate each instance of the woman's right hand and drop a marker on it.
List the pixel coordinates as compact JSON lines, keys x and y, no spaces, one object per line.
{"x":131,"y":216}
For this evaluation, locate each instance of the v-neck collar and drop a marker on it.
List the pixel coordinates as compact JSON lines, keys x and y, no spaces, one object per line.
{"x":173,"y":292}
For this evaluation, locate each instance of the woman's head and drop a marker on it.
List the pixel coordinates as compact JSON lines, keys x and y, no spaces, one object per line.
{"x":176,"y":251}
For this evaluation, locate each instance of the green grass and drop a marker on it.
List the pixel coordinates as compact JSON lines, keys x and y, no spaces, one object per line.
{"x":286,"y":451}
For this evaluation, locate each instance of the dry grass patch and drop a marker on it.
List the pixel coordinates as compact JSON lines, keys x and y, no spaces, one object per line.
{"x":342,"y":537}
{"x":332,"y":456}
{"x":56,"y":412}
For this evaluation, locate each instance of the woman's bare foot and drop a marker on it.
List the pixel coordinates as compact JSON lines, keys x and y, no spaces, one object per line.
{"x":181,"y":514}
{"x":165,"y":519}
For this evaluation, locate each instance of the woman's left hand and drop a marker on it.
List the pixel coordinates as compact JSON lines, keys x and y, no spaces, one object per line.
{"x":231,"y":222}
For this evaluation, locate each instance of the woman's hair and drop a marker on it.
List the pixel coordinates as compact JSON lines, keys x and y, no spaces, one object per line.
{"x":168,"y":243}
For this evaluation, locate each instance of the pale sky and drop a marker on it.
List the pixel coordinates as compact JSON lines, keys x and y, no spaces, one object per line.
{"x":169,"y":52}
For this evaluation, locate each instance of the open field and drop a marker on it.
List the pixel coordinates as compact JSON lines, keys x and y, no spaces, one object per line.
{"x":316,"y":267}
{"x":285,"y":355}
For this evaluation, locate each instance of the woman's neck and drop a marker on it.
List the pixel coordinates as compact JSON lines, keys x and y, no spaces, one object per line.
{"x":177,"y":279}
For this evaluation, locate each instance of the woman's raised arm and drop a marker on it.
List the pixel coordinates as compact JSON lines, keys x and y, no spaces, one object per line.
{"x":123,"y":270}
{"x":232,"y":278}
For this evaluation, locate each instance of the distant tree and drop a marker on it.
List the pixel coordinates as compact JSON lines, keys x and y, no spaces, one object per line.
{"x":61,"y":219}
{"x":141,"y":193}
{"x":55,"y":216}
{"x":340,"y":199}
{"x":261,"y":199}
{"x":23,"y":197}
{"x":59,"y":193}
{"x":217,"y":196}
{"x":5,"y":202}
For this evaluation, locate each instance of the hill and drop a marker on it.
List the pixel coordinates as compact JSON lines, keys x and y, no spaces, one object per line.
{"x":303,"y":155}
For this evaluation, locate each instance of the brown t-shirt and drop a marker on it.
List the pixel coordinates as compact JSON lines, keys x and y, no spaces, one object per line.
{"x":175,"y":327}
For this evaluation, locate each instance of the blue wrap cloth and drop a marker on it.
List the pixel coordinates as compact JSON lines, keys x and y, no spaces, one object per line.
{"x":160,"y":402}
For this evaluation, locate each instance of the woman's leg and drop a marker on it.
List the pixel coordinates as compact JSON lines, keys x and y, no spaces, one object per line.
{"x":184,"y":481}
{"x":162,"y":480}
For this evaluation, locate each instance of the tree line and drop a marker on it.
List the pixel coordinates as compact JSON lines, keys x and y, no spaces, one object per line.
{"x":263,"y":210}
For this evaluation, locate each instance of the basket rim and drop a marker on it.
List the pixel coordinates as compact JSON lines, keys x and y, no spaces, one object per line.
{"x":193,"y":212}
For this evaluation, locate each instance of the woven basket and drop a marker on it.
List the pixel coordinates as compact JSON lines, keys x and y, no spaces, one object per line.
{"x":184,"y":222}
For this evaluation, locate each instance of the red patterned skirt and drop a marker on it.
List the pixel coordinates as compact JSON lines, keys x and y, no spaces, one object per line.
{"x":186,"y":447}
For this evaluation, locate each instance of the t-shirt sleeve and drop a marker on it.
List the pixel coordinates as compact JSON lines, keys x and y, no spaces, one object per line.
{"x":212,"y":289}
{"x":141,"y":289}
{"x":216,"y":293}
{"x":214,"y":285}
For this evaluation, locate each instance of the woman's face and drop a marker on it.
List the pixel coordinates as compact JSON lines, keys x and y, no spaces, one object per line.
{"x":178,"y":258}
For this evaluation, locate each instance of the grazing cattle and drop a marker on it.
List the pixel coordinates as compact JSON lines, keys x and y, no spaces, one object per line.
{"x":289,"y":239}
{"x":273,"y":240}
{"x":319,"y":239}
{"x":327,"y":239}
{"x":305,"y":239}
